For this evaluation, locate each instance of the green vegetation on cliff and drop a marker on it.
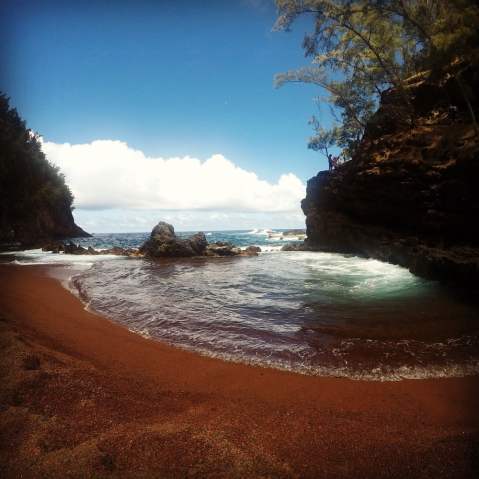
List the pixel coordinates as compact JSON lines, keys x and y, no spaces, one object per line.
{"x":35,"y":202}
{"x":361,"y":49}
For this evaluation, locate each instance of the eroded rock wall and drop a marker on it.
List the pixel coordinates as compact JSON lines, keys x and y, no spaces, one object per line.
{"x":410,"y":195}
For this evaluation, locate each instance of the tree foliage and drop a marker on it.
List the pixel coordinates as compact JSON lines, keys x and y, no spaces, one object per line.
{"x":29,"y":184}
{"x":361,"y":48}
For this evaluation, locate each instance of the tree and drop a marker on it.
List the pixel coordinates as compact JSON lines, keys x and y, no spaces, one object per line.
{"x":361,"y":48}
{"x":31,"y":188}
{"x":323,"y":139}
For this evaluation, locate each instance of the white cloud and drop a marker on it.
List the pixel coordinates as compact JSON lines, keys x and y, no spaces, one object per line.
{"x":107,"y":174}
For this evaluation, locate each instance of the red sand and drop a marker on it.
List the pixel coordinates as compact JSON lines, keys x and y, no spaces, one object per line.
{"x":84,"y":397}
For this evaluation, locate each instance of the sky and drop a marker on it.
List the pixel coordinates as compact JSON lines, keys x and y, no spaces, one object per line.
{"x":165,"y":110}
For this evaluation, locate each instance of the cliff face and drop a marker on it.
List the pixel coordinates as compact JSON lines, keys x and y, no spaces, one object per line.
{"x":43,"y":224}
{"x":35,"y":202}
{"x":409,"y":195}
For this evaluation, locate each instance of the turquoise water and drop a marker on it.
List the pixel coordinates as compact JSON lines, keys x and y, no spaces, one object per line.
{"x":315,"y":313}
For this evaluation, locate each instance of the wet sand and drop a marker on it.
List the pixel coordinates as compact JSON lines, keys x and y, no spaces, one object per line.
{"x":83,"y":397}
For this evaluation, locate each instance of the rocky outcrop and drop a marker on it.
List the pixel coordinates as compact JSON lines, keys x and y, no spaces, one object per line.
{"x":43,"y":225}
{"x":303,"y":246}
{"x":251,"y":251}
{"x":409,"y":195}
{"x":221,"y":248}
{"x":72,"y":248}
{"x":163,"y":242}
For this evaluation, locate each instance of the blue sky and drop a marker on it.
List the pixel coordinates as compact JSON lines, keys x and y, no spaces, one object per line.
{"x":168,"y":78}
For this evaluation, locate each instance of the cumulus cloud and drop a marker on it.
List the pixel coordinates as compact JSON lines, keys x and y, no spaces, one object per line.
{"x":107,"y":174}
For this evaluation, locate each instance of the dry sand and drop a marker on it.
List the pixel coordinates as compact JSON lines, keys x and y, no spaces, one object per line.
{"x":83,"y":397}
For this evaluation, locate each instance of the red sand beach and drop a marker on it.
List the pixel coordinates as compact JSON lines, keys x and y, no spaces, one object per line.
{"x":84,"y":397}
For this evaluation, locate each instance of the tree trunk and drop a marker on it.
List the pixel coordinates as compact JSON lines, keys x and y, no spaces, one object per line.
{"x":468,"y":103}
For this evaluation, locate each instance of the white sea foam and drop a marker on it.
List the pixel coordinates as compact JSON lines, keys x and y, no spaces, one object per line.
{"x":333,"y":263}
{"x":381,"y":373}
{"x":286,"y":239}
{"x":39,"y":257}
{"x":291,"y":311}
{"x":280,"y":236}
{"x":262,"y":232}
{"x":269,"y":248}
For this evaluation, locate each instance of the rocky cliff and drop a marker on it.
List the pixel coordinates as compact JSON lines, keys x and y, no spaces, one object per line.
{"x":42,"y":224}
{"x":410,"y":194}
{"x":35,"y":202}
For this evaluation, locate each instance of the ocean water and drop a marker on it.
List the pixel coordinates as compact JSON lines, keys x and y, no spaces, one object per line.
{"x":267,"y":239}
{"x":315,"y":313}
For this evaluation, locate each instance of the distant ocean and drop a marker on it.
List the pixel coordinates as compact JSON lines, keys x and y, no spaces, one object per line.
{"x":314,"y":313}
{"x":267,"y":239}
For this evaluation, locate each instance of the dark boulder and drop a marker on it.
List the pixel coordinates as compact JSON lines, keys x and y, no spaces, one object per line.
{"x":163,"y":242}
{"x":251,"y":251}
{"x":227,"y":249}
{"x":163,"y":232}
{"x":221,"y":248}
{"x":54,"y":247}
{"x":295,"y":247}
{"x":72,"y":248}
{"x":198,"y":243}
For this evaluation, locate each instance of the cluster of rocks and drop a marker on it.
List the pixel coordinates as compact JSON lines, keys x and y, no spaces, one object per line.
{"x":163,"y":242}
{"x":296,"y":247}
{"x":72,"y":248}
{"x":221,"y":248}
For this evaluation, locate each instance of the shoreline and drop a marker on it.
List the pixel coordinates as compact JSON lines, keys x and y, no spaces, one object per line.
{"x":65,"y":273}
{"x":85,"y":396}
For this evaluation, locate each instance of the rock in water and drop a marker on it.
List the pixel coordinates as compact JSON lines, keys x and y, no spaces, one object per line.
{"x":295,"y":247}
{"x":163,"y":232}
{"x":72,"y":248}
{"x":198,"y":243}
{"x":227,"y":249}
{"x":54,"y":247}
{"x":251,"y":251}
{"x":221,"y":248}
{"x":163,"y":242}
